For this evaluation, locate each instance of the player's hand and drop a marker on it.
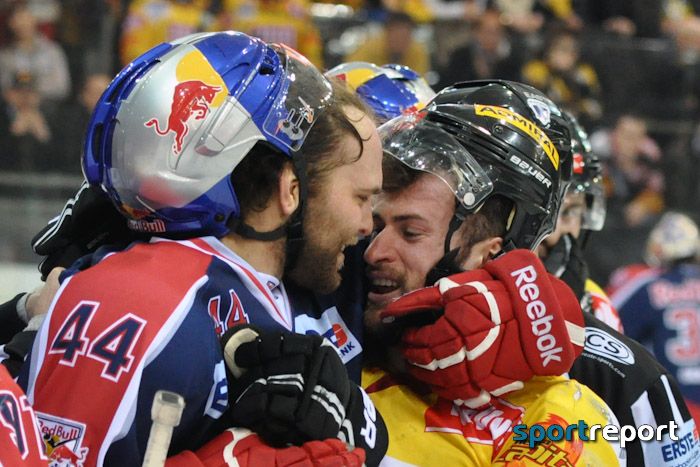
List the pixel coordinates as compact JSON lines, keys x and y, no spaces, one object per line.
{"x":240,"y":447}
{"x":292,"y":388}
{"x":88,"y":221}
{"x":500,"y":326}
{"x":38,"y":301}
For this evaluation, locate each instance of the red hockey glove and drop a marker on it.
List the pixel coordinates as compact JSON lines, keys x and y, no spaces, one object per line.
{"x":501,"y":325}
{"x":240,"y":447}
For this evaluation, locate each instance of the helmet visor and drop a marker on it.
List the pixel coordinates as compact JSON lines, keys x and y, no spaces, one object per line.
{"x":305,"y":93}
{"x":594,"y":214}
{"x":424,"y":146}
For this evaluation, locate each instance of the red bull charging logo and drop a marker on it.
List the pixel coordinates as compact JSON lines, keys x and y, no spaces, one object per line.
{"x":199,"y":89}
{"x":191,"y":99}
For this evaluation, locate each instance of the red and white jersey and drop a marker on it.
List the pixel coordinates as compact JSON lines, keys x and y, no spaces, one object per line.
{"x":20,"y":440}
{"x":135,"y":322}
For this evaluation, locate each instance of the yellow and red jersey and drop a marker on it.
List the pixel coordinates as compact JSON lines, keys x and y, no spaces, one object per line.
{"x":602,"y":307}
{"x":426,"y":431}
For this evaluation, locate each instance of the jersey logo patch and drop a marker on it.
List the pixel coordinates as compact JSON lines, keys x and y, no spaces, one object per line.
{"x":604,"y":345}
{"x":332,"y":327}
{"x":62,"y":439}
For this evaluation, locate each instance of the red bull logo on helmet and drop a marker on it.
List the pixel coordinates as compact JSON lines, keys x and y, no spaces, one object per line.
{"x":199,"y":89}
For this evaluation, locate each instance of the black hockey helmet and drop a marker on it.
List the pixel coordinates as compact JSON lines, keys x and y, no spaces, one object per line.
{"x":587,"y":176}
{"x":497,"y":150}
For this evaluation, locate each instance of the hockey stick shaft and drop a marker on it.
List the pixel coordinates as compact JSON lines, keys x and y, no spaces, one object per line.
{"x":166,"y":413}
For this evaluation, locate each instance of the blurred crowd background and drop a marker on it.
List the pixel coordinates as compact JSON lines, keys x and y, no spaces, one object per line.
{"x":629,"y":69}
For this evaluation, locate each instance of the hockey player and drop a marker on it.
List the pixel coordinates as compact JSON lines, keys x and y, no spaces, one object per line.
{"x":262,"y":167}
{"x":466,"y":151}
{"x":630,"y":381}
{"x":660,"y":307}
{"x":582,"y":212}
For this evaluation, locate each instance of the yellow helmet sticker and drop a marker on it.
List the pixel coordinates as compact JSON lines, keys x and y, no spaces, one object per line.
{"x":524,"y":124}
{"x":359,"y":76}
{"x":194,"y":66}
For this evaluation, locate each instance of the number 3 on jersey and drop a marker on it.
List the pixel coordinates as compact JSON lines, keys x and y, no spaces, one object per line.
{"x":113,"y":346}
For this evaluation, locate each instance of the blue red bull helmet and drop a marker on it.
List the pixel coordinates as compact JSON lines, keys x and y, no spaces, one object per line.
{"x":390,"y":90}
{"x":166,"y":135}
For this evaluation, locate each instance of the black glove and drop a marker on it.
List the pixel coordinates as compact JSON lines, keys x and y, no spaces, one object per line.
{"x":87,"y":221}
{"x":364,"y":427}
{"x":295,"y":388}
{"x":565,"y":261}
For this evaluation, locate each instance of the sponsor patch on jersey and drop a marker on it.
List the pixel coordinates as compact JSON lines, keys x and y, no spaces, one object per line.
{"x":523,"y":124}
{"x":63,"y":439}
{"x":488,"y":425}
{"x":604,"y":345}
{"x":331,"y":326}
{"x":682,"y":453}
{"x":543,"y":454}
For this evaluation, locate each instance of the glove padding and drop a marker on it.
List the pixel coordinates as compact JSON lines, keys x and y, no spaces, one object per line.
{"x":88,"y":221}
{"x":240,"y":447}
{"x":293,"y":388}
{"x":565,"y":261}
{"x":501,"y":325}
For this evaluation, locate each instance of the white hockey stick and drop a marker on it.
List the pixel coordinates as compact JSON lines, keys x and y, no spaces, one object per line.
{"x":166,"y":412}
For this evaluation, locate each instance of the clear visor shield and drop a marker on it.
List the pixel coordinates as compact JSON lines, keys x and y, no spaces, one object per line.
{"x":306,"y":92}
{"x":422,"y":90}
{"x":594,"y":214}
{"x":424,"y":146}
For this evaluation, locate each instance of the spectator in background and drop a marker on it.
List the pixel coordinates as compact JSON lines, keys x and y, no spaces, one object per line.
{"x":27,"y":142}
{"x":151,"y":22}
{"x":394,"y":45}
{"x":633,"y":179}
{"x":70,"y":138}
{"x":421,"y":11}
{"x":283,"y":21}
{"x":489,"y":54}
{"x":562,"y":75}
{"x":623,"y":17}
{"x":660,"y":307}
{"x":31,"y":52}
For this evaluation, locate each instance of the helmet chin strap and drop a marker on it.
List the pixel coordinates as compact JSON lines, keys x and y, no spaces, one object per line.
{"x":293,"y":228}
{"x":246,"y":231}
{"x":447,"y":265}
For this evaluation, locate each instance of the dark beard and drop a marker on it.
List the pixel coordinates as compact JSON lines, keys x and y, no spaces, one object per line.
{"x":315,"y":269}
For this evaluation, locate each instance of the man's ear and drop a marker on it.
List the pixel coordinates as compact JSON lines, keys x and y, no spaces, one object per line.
{"x":482,"y":252}
{"x":289,"y":190}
